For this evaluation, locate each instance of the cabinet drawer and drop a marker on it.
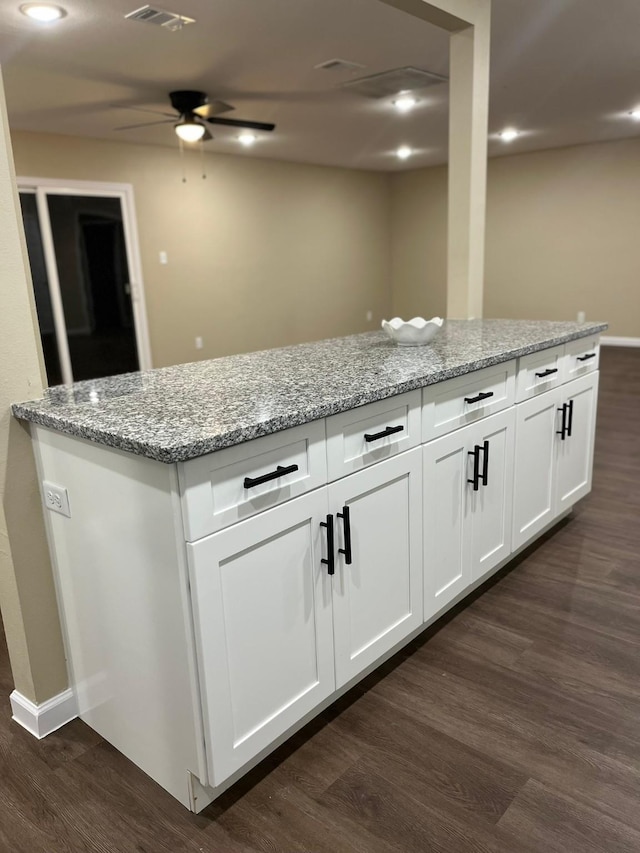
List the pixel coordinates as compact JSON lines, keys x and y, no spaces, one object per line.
{"x":539,"y":372}
{"x":377,"y":431}
{"x":581,"y":356}
{"x":235,"y":483}
{"x":466,"y":399}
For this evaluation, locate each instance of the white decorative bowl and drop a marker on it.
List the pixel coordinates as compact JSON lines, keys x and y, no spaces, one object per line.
{"x":412,"y":333}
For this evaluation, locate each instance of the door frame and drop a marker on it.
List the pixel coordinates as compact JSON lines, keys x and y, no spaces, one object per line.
{"x":58,"y":186}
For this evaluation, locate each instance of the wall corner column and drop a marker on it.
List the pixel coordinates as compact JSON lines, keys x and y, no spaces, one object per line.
{"x":468,"y":127}
{"x":27,"y":593}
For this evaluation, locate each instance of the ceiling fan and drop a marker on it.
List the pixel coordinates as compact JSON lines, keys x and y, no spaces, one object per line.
{"x":193,"y":110}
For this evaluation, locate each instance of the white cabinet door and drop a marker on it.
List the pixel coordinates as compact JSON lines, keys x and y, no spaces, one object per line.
{"x":262,"y":612}
{"x":377,"y":596}
{"x":574,"y":455}
{"x":491,"y":504}
{"x":534,"y":499}
{"x":445,"y":505}
{"x":467,"y":530}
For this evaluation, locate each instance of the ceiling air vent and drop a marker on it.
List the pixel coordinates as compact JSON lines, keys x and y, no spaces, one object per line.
{"x":389,"y":83}
{"x":161,"y":18}
{"x":339,"y":65}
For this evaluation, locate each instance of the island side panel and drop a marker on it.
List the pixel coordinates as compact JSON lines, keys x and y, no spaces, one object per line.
{"x":122,"y":591}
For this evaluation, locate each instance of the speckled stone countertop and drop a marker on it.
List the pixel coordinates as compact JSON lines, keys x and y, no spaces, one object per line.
{"x":177,"y":413}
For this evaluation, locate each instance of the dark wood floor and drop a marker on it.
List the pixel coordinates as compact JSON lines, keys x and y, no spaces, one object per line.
{"x":514,"y":726}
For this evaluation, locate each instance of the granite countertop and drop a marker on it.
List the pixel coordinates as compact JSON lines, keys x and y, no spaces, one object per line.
{"x":175,"y":413}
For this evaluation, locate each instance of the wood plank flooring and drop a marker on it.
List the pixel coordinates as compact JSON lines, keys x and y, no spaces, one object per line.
{"x":512,"y":726}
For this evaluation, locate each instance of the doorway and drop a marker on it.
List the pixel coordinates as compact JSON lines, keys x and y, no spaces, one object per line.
{"x":87,"y":284}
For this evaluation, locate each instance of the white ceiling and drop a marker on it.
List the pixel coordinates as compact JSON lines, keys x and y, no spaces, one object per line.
{"x":563,"y":72}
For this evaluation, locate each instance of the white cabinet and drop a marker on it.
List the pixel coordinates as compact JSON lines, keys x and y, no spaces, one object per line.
{"x":271,"y":593}
{"x":554,"y":454}
{"x":377,"y":586}
{"x":574,"y":455}
{"x":263,"y":625}
{"x":491,"y":505}
{"x":467,"y":506}
{"x":534,"y":505}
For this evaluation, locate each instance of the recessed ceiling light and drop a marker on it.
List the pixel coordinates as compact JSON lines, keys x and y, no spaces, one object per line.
{"x":509,"y":135}
{"x":405,"y":102}
{"x":635,"y":114}
{"x":403,"y":152}
{"x":247,"y":139}
{"x":45,"y":13}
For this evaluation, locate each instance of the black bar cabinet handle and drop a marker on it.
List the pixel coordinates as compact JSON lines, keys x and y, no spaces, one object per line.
{"x":476,"y":467}
{"x":547,"y":372}
{"x":485,"y":463}
{"x":345,"y":515}
{"x":483,"y":395}
{"x":569,"y":417}
{"x":374,"y":436}
{"x":562,"y":432}
{"x":330,"y":561}
{"x":586,"y":357}
{"x":280,"y":471}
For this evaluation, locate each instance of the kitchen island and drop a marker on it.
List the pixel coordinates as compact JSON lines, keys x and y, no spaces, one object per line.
{"x":237,"y":542}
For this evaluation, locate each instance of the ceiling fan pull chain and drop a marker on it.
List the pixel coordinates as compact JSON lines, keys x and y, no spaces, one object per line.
{"x":204,"y":170}
{"x":184,"y":177}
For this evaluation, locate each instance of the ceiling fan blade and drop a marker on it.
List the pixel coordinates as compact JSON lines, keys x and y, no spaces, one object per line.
{"x":147,"y":124}
{"x":142,"y":110}
{"x":249,"y":125}
{"x":213,"y":108}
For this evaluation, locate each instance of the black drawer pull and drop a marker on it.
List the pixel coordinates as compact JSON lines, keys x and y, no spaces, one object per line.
{"x":485,"y":463}
{"x":476,"y":466}
{"x":586,"y":357}
{"x":563,"y":431}
{"x":547,"y":372}
{"x":569,"y":418}
{"x":330,"y":561}
{"x":346,"y":523}
{"x":483,"y":395}
{"x":369,"y":436}
{"x":280,"y":471}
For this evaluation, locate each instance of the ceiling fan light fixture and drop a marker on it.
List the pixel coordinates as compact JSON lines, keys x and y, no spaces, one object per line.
{"x":405,"y":102}
{"x":44,"y":13}
{"x":189,"y":130}
{"x":247,"y":139}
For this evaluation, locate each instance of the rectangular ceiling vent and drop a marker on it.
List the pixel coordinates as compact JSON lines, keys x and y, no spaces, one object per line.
{"x":389,"y":83}
{"x":161,"y":18}
{"x":338,"y":65}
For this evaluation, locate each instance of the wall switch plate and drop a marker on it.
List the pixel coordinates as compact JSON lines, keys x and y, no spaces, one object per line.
{"x":163,"y":258}
{"x":56,"y":498}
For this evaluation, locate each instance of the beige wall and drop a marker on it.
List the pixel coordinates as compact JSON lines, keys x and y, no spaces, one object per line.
{"x":261,"y":253}
{"x":563,"y":231}
{"x":563,"y":235}
{"x":419,"y":243}
{"x":27,"y":596}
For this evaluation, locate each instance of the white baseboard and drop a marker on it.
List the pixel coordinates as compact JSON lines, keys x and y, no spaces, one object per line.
{"x":41,"y":720}
{"x":613,"y":341}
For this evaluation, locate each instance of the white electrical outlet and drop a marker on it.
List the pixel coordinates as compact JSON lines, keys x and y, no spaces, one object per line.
{"x":369,"y":316}
{"x":581,"y":316}
{"x":163,"y":258}
{"x":56,"y":498}
{"x":198,"y":342}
